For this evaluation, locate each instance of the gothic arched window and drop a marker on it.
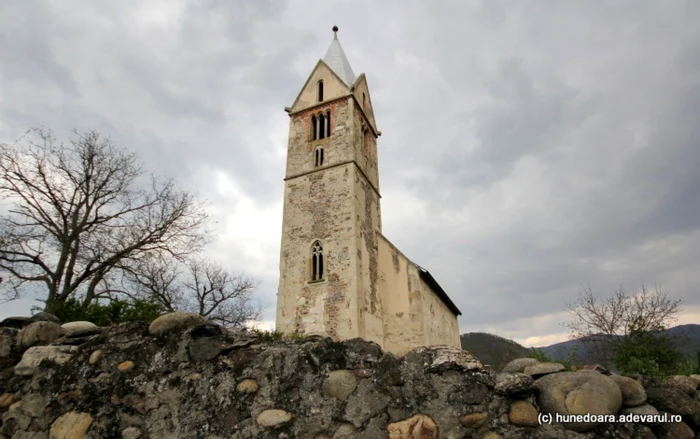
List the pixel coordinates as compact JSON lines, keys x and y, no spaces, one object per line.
{"x":317,"y":261}
{"x":320,"y":91}
{"x":321,"y":126}
{"x":314,"y":130}
{"x":318,"y":156}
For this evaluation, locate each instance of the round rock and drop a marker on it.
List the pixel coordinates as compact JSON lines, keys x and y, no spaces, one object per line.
{"x":683,"y":383}
{"x":339,"y":384}
{"x":523,"y":414}
{"x":39,"y":333}
{"x":543,"y":369}
{"x":518,"y":365}
{"x":77,"y":326}
{"x":578,"y":393}
{"x":71,"y":425}
{"x":509,"y":384}
{"x":474,"y":420}
{"x":644,"y":409}
{"x":273,"y":417}
{"x":44,"y":317}
{"x":248,"y":385}
{"x":176,"y":321}
{"x":633,"y":394}
{"x":15,"y":322}
{"x":417,"y":426}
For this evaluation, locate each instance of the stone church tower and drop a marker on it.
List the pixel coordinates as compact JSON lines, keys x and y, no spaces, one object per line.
{"x":339,"y":275}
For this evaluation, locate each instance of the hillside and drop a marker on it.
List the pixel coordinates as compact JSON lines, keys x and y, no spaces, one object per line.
{"x":492,"y":349}
{"x":688,"y":337}
{"x":496,"y":351}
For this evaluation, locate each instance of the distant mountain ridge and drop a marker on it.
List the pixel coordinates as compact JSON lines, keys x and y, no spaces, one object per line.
{"x":496,"y":351}
{"x":492,"y":349}
{"x":689,"y":336}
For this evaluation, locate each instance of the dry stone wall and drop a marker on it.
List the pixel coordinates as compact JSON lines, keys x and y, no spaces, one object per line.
{"x":184,"y":377}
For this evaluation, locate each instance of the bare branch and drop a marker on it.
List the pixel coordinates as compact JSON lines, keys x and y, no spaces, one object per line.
{"x":83,"y":211}
{"x":601,"y":323}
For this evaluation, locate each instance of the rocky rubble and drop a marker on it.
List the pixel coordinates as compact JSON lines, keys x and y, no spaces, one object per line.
{"x":184,"y":377}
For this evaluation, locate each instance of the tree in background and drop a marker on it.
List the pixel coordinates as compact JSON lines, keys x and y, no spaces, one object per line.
{"x":648,"y":352}
{"x":84,"y":220}
{"x":196,"y":285}
{"x":612,"y":327}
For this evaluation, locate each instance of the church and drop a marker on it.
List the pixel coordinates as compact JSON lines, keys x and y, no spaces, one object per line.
{"x":339,"y":275}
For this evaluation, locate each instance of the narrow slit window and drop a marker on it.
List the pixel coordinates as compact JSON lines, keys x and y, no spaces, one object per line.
{"x":317,"y":261}
{"x":328,"y":123}
{"x":318,"y":156}
{"x":320,"y":91}
{"x":314,"y":130}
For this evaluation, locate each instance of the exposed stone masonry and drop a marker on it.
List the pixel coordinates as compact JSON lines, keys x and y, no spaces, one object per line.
{"x":183,"y":377}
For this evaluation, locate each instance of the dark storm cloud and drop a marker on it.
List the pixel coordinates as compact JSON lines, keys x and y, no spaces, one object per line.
{"x":528,"y":148}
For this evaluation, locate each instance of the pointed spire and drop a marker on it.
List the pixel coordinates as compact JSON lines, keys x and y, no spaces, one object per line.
{"x":337,"y":61}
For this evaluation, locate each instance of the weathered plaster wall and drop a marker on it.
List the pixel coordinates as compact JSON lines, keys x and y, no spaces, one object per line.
{"x":361,"y":89}
{"x":414,"y":314}
{"x":319,"y":206}
{"x":338,"y":147}
{"x":333,"y":88}
{"x":339,"y":204}
{"x":440,"y":324}
{"x":365,"y":147}
{"x":371,"y":308}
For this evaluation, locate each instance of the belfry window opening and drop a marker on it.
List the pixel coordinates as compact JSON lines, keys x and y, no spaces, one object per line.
{"x":321,"y":126}
{"x":317,"y":261}
{"x":320,"y":91}
{"x":318,"y":157}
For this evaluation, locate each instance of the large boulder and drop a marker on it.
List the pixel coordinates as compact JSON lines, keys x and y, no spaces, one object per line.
{"x":15,"y":322}
{"x":644,"y":409}
{"x":33,"y":356}
{"x":449,"y":358}
{"x":518,"y":365}
{"x":578,"y":393}
{"x":38,"y":333}
{"x":44,"y":317}
{"x":675,"y":401}
{"x":72,"y":327}
{"x":176,"y":321}
{"x":339,"y":384}
{"x":633,"y":394}
{"x":540,"y":369}
{"x":683,"y":383}
{"x":513,"y":384}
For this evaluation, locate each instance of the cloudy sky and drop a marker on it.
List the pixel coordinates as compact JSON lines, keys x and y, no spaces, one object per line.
{"x":528,"y":148}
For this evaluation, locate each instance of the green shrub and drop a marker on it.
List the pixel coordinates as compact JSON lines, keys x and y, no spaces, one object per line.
{"x":105,"y":314}
{"x":648,"y":353}
{"x":539,"y":355}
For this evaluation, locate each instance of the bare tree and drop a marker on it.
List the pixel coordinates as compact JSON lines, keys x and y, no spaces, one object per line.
{"x":601,"y":324}
{"x":195,"y":285}
{"x":79,"y":212}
